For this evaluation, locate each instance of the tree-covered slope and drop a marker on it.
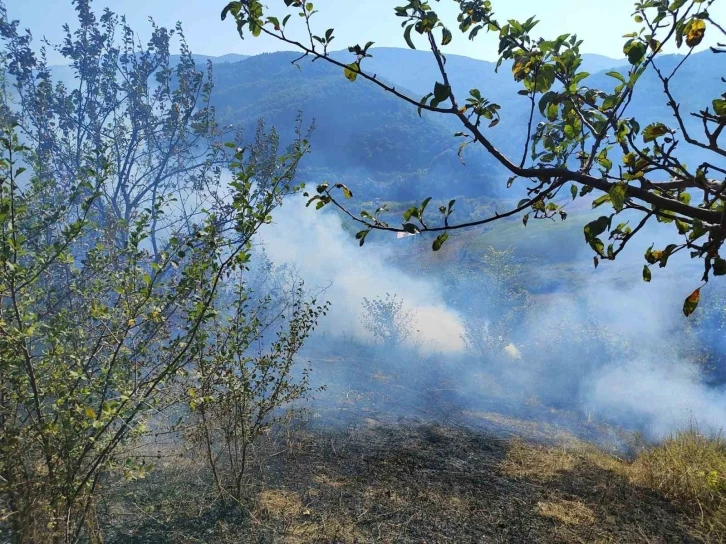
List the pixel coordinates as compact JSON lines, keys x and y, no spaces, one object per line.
{"x":379,"y":145}
{"x":363,"y":136}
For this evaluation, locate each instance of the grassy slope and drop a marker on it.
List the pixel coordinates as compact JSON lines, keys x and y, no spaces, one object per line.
{"x":413,"y":482}
{"x":392,"y":459}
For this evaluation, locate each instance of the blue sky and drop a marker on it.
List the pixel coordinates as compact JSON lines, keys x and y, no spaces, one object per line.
{"x":600,"y":22}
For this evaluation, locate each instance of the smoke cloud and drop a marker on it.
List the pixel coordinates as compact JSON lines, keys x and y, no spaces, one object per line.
{"x":325,"y":255}
{"x":615,"y":348}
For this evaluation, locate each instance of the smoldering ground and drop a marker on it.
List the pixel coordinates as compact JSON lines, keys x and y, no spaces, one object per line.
{"x":612,"y":349}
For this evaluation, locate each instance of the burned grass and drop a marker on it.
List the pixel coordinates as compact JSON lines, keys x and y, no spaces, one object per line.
{"x":408,"y":481}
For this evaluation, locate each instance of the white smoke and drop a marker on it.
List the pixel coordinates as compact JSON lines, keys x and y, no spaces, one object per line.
{"x":659,"y":396}
{"x":611,"y":347}
{"x":324,"y":253}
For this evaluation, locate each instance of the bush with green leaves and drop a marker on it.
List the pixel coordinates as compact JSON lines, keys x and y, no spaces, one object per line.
{"x":495,"y":302}
{"x":241,"y":385}
{"x":96,"y":327}
{"x":118,"y":239}
{"x":149,"y":111}
{"x":579,"y":142}
{"x":388,"y":322}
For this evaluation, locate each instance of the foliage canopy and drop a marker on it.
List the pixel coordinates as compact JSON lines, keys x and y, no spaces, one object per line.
{"x":579,"y":140}
{"x":118,"y":239}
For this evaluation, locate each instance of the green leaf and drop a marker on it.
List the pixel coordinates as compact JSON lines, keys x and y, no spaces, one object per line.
{"x":617,"y":194}
{"x":646,"y":273}
{"x":653,"y":131}
{"x":407,"y":36}
{"x":545,"y":78}
{"x":573,"y":191}
{"x":682,"y":226}
{"x":596,"y":228}
{"x":598,"y":246}
{"x":423,"y":102}
{"x":680,"y":26}
{"x":351,"y":71}
{"x":441,"y":93}
{"x":525,"y":219}
{"x":599,"y":201}
{"x":548,"y":99}
{"x":664,"y":217}
{"x":691,"y":302}
{"x":411,"y":212}
{"x":361,"y":236}
{"x":616,"y":75}
{"x":552,"y":111}
{"x":440,"y":239}
{"x":665,"y":254}
{"x":699,"y":229}
{"x":424,"y":204}
{"x":719,"y":107}
{"x":635,"y":52}
{"x":233,"y":7}
{"x":446,"y":38}
{"x":610,"y":102}
{"x":719,"y":267}
{"x":579,"y":77}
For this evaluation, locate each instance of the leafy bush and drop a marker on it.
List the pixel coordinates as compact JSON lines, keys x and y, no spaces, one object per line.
{"x":239,"y":391}
{"x":388,"y":322}
{"x":97,"y":328}
{"x":497,"y":302}
{"x":114,"y":255}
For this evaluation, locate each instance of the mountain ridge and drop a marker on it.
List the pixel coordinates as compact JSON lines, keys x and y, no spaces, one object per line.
{"x":378,"y":144}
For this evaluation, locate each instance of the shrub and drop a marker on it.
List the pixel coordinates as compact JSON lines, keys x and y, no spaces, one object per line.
{"x":239,"y":390}
{"x":97,"y":328}
{"x":386,"y":319}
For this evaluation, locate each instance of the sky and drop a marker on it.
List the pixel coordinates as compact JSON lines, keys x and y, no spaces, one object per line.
{"x":601,"y":23}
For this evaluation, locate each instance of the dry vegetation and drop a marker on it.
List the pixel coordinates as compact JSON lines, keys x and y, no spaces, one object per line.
{"x":690,"y":469}
{"x":411,"y":480}
{"x":351,"y":472}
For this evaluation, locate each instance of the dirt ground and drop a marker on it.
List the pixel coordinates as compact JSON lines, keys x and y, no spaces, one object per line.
{"x":403,"y":481}
{"x":499,"y":470}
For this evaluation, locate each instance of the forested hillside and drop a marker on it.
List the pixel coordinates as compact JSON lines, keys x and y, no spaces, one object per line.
{"x":380,"y":146}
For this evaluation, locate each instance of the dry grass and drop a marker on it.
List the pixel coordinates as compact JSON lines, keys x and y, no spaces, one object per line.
{"x":535,"y":461}
{"x":374,"y":467}
{"x":690,"y":469}
{"x":410,"y":482}
{"x":530,"y":429}
{"x":567,"y":512}
{"x":279,"y":503}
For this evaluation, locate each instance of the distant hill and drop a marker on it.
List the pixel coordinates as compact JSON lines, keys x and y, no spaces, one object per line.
{"x":223,"y":59}
{"x":380,"y":147}
{"x":364,"y":137}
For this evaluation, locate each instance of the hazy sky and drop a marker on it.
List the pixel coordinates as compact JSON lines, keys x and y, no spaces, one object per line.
{"x":600,"y":22}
